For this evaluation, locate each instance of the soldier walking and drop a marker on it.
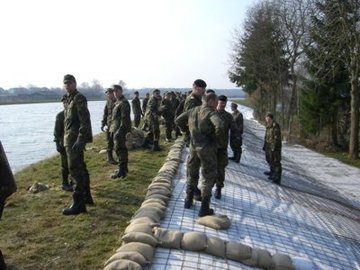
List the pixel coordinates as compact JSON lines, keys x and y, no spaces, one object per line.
{"x":77,"y":132}
{"x":106,"y":123}
{"x":59,"y":141}
{"x":206,"y":131}
{"x":120,"y":126}
{"x":272,"y":148}
{"x":136,"y":109}
{"x":222,"y":155}
{"x":236,"y":144}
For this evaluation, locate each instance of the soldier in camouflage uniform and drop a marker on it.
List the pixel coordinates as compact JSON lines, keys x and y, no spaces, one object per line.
{"x":106,"y":122}
{"x":272,"y":148}
{"x":222,"y":155}
{"x":77,"y":132}
{"x":152,"y":116}
{"x":120,"y":126}
{"x":236,"y":144}
{"x":168,"y":112}
{"x":59,"y":140}
{"x":136,"y":109}
{"x":206,"y":133}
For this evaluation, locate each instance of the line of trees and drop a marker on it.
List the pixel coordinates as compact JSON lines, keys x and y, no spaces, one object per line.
{"x":300,"y":59}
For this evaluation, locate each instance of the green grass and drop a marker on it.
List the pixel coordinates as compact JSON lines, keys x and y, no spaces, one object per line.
{"x":35,"y":234}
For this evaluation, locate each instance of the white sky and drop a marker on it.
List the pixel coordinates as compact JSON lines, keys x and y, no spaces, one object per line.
{"x":146,"y":43}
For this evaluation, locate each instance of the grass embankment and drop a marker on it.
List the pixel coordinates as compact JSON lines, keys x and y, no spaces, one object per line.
{"x":341,"y":156}
{"x":35,"y":234}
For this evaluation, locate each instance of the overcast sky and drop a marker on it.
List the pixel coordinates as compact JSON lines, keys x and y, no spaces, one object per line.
{"x":146,"y":43}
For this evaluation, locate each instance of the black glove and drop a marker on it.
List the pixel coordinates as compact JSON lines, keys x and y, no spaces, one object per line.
{"x":60,"y":148}
{"x":264,"y":148}
{"x":78,"y":146}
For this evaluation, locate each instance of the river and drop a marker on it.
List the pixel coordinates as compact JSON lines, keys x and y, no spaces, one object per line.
{"x":26,"y":130}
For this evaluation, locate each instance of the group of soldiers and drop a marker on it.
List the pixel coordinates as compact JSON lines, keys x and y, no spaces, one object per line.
{"x":200,"y":116}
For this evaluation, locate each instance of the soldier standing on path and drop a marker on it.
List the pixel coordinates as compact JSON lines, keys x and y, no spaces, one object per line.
{"x":136,"y":109}
{"x":106,"y":122}
{"x":59,"y":140}
{"x":120,"y":126}
{"x":272,"y":148}
{"x":236,"y":144}
{"x":168,"y":113}
{"x":77,"y":132}
{"x":222,"y":155}
{"x":206,"y":134}
{"x":152,"y":116}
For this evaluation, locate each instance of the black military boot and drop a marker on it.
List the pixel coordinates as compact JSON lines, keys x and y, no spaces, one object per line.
{"x":237,"y":157}
{"x":65,"y":182}
{"x":121,"y":173}
{"x":2,"y":262}
{"x":197,"y":194}
{"x":218,"y":193}
{"x":2,"y":205}
{"x":205,"y":209}
{"x":147,"y":143}
{"x":110,"y":158}
{"x":156,"y":146}
{"x":88,"y":198}
{"x":78,"y":205}
{"x":189,"y":197}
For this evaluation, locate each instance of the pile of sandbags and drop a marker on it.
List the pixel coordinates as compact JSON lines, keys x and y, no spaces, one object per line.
{"x":135,"y":138}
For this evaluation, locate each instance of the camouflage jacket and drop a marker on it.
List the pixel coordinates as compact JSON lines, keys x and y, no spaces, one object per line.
{"x":153,"y":109}
{"x":229,"y":126}
{"x":59,"y":128}
{"x":121,"y":121}
{"x":77,"y":124}
{"x":135,"y":105}
{"x":205,"y":126}
{"x":144,"y":104}
{"x":273,"y":137}
{"x":192,"y":101}
{"x":167,"y":109}
{"x":239,"y":120}
{"x":109,"y":106}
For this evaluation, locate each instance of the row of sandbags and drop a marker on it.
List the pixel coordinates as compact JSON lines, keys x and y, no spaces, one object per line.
{"x":144,"y":234}
{"x":138,"y":243}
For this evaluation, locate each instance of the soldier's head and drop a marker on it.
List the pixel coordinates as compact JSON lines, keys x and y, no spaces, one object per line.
{"x":211,"y":100}
{"x":156,"y":93}
{"x":221,"y":103}
{"x":110,"y":93}
{"x":209,"y":91}
{"x":118,"y":91}
{"x":136,"y":94}
{"x":234,"y":106}
{"x":199,"y":87}
{"x":269,"y":118}
{"x":147,"y":95}
{"x":69,"y":83}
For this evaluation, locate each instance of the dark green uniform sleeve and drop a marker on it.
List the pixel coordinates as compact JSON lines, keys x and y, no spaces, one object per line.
{"x":59,"y":128}
{"x":182,"y":121}
{"x":105,"y":116}
{"x":85,"y":132}
{"x":219,"y":129}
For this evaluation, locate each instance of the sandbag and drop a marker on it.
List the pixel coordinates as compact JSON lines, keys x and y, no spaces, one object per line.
{"x":194,"y":241}
{"x":151,"y":212}
{"x":139,"y":227}
{"x":168,"y":238}
{"x":237,"y":251}
{"x":128,"y":255}
{"x":144,"y":249}
{"x":164,"y":198}
{"x":259,"y":258}
{"x":144,"y":220}
{"x":153,"y":200}
{"x":282,"y":262}
{"x":216,"y":246}
{"x":217,"y":222}
{"x":134,"y":139}
{"x":123,"y":264}
{"x":140,"y":237}
{"x":161,"y":191}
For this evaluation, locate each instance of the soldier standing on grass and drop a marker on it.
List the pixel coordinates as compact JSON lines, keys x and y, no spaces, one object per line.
{"x":136,"y":109}
{"x":272,"y":148}
{"x":152,"y":116}
{"x":222,"y":155}
{"x":236,"y":144}
{"x":168,"y":113}
{"x":206,"y":134}
{"x":106,"y":122}
{"x":77,"y":132}
{"x":120,"y":126}
{"x":59,"y":140}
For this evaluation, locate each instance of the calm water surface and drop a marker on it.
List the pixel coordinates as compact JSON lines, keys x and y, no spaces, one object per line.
{"x":26,"y":130}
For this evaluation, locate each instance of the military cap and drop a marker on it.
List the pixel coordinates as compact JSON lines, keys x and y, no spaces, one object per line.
{"x":156,"y":91}
{"x":64,"y":97}
{"x":210,"y":91}
{"x":223,"y":98}
{"x":200,"y":83}
{"x":109,"y":90}
{"x":136,"y":92}
{"x":69,"y":78}
{"x":270,"y":115}
{"x":234,"y":105}
{"x":116,"y":87}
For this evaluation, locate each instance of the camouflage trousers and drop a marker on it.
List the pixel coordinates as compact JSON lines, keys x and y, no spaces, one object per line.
{"x":273,"y":158}
{"x":137,"y":118}
{"x":121,"y":150}
{"x":110,"y":141}
{"x":154,"y":130}
{"x":77,"y":169}
{"x":64,"y":170}
{"x":204,"y":158}
{"x":222,"y":162}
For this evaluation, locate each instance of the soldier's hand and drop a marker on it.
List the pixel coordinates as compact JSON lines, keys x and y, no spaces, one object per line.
{"x":78,"y":146}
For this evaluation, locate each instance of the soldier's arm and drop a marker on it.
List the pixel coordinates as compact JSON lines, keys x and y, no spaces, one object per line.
{"x":219,"y":129}
{"x":85,"y":132}
{"x":57,"y":129}
{"x":182,"y":121}
{"x":105,"y":115}
{"x":241,"y":123}
{"x":125,"y":112}
{"x":277,"y":138}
